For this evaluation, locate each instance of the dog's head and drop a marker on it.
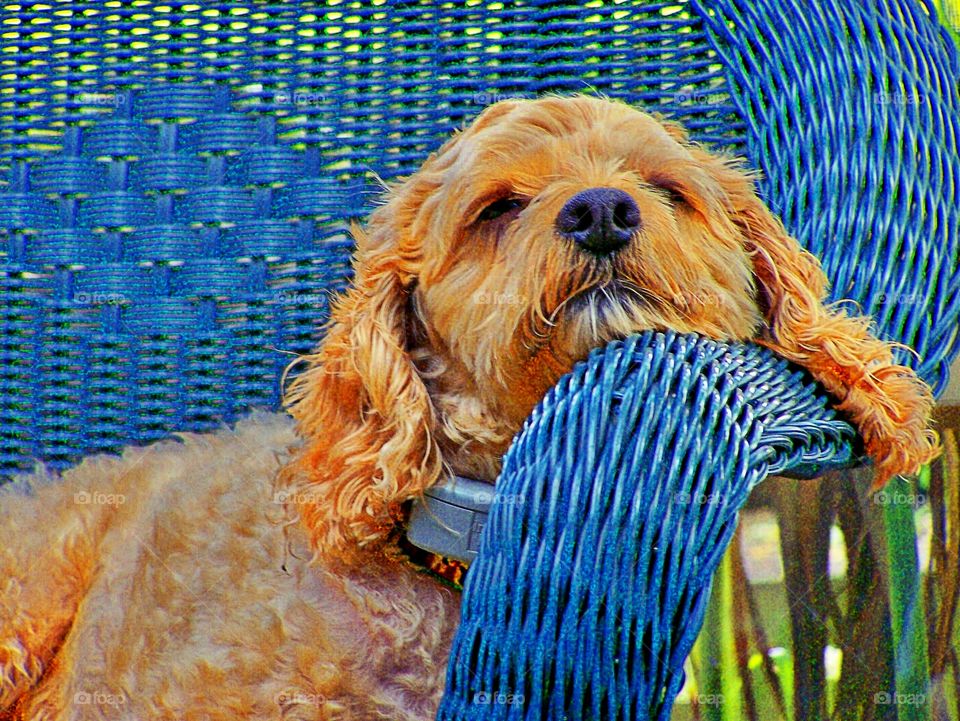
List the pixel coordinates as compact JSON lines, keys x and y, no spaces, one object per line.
{"x":543,"y":230}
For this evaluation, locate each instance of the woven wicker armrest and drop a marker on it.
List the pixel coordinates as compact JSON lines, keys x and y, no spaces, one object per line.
{"x":615,"y":506}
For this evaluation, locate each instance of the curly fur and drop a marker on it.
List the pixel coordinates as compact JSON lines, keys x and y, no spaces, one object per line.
{"x":249,"y":574}
{"x":496,"y":312}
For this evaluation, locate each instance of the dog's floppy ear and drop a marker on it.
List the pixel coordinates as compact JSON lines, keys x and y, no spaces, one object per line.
{"x":887,"y":402}
{"x":361,"y":407}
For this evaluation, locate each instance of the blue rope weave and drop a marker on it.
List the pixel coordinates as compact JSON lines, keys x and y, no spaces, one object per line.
{"x":159,"y":267}
{"x":178,"y":181}
{"x":613,"y":510}
{"x":853,"y":113}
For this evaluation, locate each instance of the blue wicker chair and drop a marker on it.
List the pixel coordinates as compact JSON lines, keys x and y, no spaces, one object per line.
{"x":173,"y":220}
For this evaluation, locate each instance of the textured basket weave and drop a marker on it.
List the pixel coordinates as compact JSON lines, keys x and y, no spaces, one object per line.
{"x":178,"y":179}
{"x":190,"y":225}
{"x":596,"y":561}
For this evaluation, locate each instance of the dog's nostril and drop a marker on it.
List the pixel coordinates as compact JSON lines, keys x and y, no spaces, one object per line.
{"x":601,"y":220}
{"x":583,"y":218}
{"x":626,"y":215}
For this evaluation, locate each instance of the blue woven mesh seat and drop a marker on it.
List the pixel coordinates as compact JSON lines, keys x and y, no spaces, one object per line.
{"x":174,"y":210}
{"x":173,"y":219}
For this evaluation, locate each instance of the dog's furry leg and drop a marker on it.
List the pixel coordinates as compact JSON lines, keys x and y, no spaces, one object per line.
{"x":49,"y":532}
{"x":80,"y":571}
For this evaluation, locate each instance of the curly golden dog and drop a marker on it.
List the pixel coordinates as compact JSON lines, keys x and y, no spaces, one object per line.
{"x":251,"y":573}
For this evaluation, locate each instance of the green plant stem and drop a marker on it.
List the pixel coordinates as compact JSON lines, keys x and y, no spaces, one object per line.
{"x":911,"y":673}
{"x":720,"y":696}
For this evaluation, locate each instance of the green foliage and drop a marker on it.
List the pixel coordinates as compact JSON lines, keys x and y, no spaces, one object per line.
{"x":890,"y":652}
{"x":948,"y":12}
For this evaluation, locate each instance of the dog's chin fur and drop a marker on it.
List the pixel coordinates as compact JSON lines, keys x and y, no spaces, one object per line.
{"x":615,"y":308}
{"x":203,"y":597}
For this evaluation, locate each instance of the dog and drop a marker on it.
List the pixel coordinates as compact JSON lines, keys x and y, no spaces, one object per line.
{"x":254,"y":572}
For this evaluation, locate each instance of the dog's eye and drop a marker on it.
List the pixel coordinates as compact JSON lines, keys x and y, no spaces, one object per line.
{"x":499,"y":207}
{"x":672,"y":193}
{"x":675,"y":196}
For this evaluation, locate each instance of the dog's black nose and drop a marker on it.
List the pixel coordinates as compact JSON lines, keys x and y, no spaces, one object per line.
{"x":601,"y":220}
